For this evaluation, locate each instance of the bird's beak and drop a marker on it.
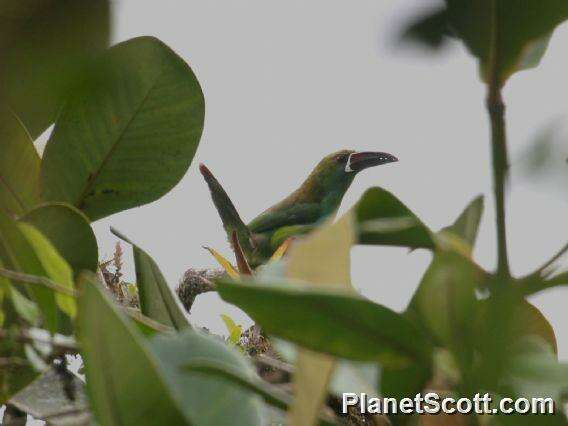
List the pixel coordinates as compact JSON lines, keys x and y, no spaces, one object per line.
{"x":363,"y":160}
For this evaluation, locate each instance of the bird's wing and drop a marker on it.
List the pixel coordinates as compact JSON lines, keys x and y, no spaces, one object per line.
{"x":294,"y":214}
{"x":227,"y":211}
{"x":280,"y":236}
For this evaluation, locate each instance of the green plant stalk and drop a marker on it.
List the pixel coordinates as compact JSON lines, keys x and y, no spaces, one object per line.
{"x":496,"y":110}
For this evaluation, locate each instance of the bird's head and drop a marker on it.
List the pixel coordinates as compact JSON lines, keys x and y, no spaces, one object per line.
{"x":345,"y":164}
{"x":336,"y":171}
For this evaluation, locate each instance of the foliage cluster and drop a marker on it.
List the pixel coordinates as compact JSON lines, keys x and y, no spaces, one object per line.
{"x":128,"y":120}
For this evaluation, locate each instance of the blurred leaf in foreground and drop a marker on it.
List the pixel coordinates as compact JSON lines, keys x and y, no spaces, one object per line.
{"x":157,"y":386}
{"x":110,"y":347}
{"x":19,"y":166}
{"x":206,"y":399}
{"x":45,"y":48}
{"x":544,"y":162}
{"x":322,"y":259}
{"x":521,"y":29}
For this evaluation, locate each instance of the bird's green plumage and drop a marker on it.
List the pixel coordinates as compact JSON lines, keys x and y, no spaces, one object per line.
{"x":316,"y":200}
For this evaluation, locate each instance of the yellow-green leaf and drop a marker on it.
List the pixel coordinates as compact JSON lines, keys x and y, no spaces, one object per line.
{"x":224,"y":263}
{"x":54,"y":265}
{"x":235,"y":331}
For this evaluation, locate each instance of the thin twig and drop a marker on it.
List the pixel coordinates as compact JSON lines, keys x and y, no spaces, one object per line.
{"x":554,"y":258}
{"x":274,"y":363}
{"x":37,"y":280}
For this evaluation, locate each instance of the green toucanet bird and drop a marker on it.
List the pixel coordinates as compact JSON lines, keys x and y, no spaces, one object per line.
{"x":316,"y":200}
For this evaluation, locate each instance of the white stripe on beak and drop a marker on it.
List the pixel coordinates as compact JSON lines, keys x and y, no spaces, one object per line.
{"x":348,"y":168}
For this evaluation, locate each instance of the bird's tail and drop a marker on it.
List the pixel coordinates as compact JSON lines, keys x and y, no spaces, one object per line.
{"x":228,"y":213}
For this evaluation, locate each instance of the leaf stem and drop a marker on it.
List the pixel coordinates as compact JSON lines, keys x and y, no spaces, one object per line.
{"x":496,"y":110}
{"x":36,"y":280}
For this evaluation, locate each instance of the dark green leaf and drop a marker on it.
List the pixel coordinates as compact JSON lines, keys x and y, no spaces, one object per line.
{"x":69,"y":231}
{"x":125,"y":386}
{"x":430,"y":29}
{"x":145,"y":118}
{"x":376,"y":209}
{"x":520,"y":30}
{"x":45,"y":47}
{"x":157,"y":300}
{"x":19,"y":165}
{"x":337,"y":323}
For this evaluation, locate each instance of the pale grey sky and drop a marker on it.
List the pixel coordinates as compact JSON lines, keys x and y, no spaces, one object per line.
{"x":287,"y":82}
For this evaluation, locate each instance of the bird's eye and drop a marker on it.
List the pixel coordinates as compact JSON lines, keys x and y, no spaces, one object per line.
{"x":341,"y":158}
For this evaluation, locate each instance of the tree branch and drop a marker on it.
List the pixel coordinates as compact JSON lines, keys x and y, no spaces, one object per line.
{"x":196,"y":282}
{"x":496,"y":110}
{"x":36,"y":280}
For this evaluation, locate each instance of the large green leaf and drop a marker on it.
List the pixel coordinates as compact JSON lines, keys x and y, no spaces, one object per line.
{"x":516,"y":31}
{"x":157,"y":300}
{"x":334,"y":322}
{"x":128,"y":135}
{"x":206,"y":400}
{"x":45,"y":47}
{"x":122,"y":374}
{"x":384,"y":219}
{"x":445,"y":300}
{"x":125,"y":371}
{"x":19,"y":166}
{"x":70,"y":233}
